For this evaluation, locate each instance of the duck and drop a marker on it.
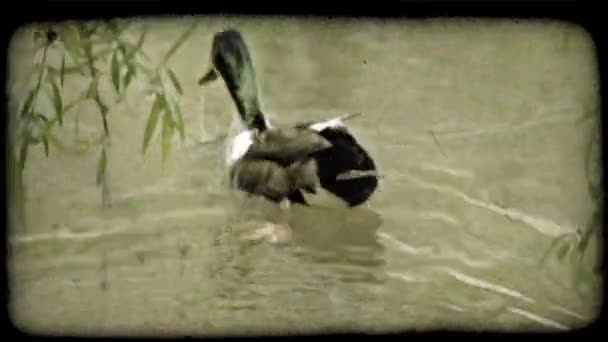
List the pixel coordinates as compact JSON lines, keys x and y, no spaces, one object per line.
{"x":282,"y":163}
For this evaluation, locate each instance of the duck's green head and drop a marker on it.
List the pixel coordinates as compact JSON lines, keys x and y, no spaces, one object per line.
{"x":231,"y":59}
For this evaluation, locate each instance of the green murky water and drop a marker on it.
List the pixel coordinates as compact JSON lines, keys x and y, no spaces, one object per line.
{"x":477,"y":129}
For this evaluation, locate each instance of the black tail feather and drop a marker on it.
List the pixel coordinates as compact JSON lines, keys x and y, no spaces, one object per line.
{"x":346,"y":154}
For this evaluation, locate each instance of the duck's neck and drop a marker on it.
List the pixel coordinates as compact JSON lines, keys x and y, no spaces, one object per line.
{"x":232,"y":60}
{"x":245,"y":96}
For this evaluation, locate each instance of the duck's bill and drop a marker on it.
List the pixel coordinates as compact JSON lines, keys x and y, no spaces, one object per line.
{"x":210,"y":76}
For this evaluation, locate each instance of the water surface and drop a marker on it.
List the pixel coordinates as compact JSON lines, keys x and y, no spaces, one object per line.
{"x":479,"y":130}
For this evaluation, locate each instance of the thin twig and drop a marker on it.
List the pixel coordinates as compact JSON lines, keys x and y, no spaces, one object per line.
{"x":176,"y":46}
{"x":437,"y":143}
{"x":40,"y":75}
{"x":348,"y":116}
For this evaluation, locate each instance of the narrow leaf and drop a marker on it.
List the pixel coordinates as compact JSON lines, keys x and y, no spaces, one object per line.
{"x":76,"y":68}
{"x":45,"y":141}
{"x":167,"y":134}
{"x":594,"y":224}
{"x":123,"y":50}
{"x":115,"y":72}
{"x":23,"y":153}
{"x":37,"y":126}
{"x":152,"y":121}
{"x":57,"y":102}
{"x":178,"y":43}
{"x":72,"y":104}
{"x":62,"y":70}
{"x":113,"y":26}
{"x":93,"y":87}
{"x":149,"y":72}
{"x":35,"y":69}
{"x":179,"y":120}
{"x":51,"y":72}
{"x":28,"y":103}
{"x":101,"y":166}
{"x":103,"y":108}
{"x":72,"y":42}
{"x":175,"y":81}
{"x":138,"y":45}
{"x":140,"y":41}
{"x":88,"y":48}
{"x":556,"y":243}
{"x":43,"y":118}
{"x":156,"y":80}
{"x":563,"y":250}
{"x":128,"y":75}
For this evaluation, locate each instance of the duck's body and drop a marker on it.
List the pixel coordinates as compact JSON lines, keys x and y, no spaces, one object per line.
{"x":280,"y":164}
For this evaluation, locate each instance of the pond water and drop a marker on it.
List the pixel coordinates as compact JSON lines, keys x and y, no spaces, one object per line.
{"x":480,"y":133}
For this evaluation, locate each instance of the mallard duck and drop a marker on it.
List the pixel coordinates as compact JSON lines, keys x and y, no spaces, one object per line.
{"x":280,"y":164}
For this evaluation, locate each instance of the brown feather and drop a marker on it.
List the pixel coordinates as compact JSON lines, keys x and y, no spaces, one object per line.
{"x":286,"y":146}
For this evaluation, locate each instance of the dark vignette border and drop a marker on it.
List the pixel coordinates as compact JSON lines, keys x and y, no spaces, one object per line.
{"x":585,"y":15}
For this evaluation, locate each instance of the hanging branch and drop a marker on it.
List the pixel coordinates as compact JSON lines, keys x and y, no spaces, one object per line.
{"x":83,"y":46}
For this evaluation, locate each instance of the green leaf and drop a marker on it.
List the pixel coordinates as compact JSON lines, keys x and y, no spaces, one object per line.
{"x":101,"y":166}
{"x":178,"y":44}
{"x":157,"y":106}
{"x":128,"y":75}
{"x":175,"y":81}
{"x":88,"y":49}
{"x":72,"y":104}
{"x":113,"y":26}
{"x":116,"y":72}
{"x":62,"y":70}
{"x":179,"y":122}
{"x":57,"y":102}
{"x":72,"y":42}
{"x":23,"y":153}
{"x":140,"y":41}
{"x":45,"y":141}
{"x":51,"y":72}
{"x":146,"y":70}
{"x":103,"y":108}
{"x":137,"y":47}
{"x":556,"y":243}
{"x":156,"y":80}
{"x":593,"y":226}
{"x":79,"y":68}
{"x":563,"y":249}
{"x":36,"y":127}
{"x":123,"y":50}
{"x":43,"y":118}
{"x":26,"y":109}
{"x":93,"y":87}
{"x":45,"y":133}
{"x":167,"y":134}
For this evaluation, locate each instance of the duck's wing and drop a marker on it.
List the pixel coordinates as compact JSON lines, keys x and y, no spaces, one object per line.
{"x":287,"y":146}
{"x":272,"y":181}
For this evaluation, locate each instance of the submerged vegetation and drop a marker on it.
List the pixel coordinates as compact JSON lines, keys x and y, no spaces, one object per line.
{"x":571,"y":249}
{"x":95,"y":52}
